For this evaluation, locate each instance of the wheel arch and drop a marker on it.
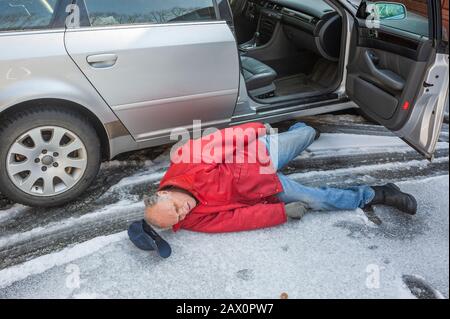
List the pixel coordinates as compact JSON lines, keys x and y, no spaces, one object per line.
{"x":70,"y":106}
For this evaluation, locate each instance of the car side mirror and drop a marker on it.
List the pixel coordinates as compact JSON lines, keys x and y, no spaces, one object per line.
{"x":390,"y":11}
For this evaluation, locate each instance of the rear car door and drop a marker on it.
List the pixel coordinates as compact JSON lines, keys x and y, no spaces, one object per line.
{"x":159,"y":64}
{"x":398,"y":71}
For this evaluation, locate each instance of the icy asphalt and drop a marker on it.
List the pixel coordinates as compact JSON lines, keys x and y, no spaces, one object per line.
{"x":81,"y":251}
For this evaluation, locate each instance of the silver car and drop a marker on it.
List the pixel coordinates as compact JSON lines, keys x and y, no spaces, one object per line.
{"x":83,"y":81}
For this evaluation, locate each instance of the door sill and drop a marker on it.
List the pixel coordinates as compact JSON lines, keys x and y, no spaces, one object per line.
{"x":299,"y":102}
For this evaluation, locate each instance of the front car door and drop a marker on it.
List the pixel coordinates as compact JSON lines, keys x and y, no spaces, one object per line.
{"x":398,"y":71}
{"x":159,"y":64}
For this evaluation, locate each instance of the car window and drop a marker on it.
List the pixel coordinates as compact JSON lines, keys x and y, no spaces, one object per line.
{"x":26,"y":14}
{"x":412,"y":18}
{"x":445,"y":19}
{"x":116,"y":12}
{"x":419,"y":7}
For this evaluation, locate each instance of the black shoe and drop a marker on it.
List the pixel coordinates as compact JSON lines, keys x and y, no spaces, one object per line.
{"x":391,"y":195}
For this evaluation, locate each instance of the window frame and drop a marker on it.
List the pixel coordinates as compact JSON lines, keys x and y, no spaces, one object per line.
{"x":440,"y":42}
{"x":224,"y":14}
{"x":86,"y":23}
{"x":430,"y":19}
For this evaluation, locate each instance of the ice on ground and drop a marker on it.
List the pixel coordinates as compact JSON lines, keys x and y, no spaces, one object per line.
{"x":326,"y":255}
{"x":365,"y":168}
{"x":138,"y":178}
{"x":11,"y":213}
{"x":346,"y":141}
{"x":347,"y":144}
{"x":125,"y":207}
{"x":43,"y":263}
{"x":116,"y":163}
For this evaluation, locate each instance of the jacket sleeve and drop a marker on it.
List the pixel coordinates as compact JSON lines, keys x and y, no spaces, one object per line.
{"x":240,"y":219}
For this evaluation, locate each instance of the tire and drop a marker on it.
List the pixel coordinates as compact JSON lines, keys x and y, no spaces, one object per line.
{"x":78,"y":168}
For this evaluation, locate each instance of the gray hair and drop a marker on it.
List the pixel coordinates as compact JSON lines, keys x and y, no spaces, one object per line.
{"x":150,"y":200}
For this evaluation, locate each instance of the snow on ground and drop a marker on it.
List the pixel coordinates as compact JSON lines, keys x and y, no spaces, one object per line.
{"x":12,"y":212}
{"x":363,"y":169}
{"x":326,"y":255}
{"x":348,"y":144}
{"x":123,"y":207}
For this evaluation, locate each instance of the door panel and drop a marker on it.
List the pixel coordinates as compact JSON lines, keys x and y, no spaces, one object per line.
{"x":379,"y":100}
{"x":157,"y":77}
{"x":398,"y":79}
{"x":425,"y":123}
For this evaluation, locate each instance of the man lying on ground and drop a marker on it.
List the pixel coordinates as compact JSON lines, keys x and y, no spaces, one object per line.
{"x":230,"y":181}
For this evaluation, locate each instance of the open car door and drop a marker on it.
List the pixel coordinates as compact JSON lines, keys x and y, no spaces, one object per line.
{"x":398,"y":70}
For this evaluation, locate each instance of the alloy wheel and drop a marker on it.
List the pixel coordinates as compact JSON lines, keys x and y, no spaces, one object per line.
{"x":46,"y":161}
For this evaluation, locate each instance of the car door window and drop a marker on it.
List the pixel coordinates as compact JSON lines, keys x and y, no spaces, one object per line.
{"x":445,"y":19}
{"x":117,"y":12}
{"x":405,"y":15}
{"x":416,"y":20}
{"x":26,"y":14}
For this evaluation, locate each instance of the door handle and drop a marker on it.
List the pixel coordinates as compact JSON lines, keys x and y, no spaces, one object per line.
{"x":102,"y":61}
{"x":387,"y":77}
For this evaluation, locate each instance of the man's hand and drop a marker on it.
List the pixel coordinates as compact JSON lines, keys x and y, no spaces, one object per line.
{"x":296,"y":210}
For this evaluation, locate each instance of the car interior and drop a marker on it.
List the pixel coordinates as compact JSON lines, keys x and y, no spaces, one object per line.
{"x":289,"y":49}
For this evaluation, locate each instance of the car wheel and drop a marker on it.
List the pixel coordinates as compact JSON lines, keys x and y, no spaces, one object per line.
{"x":48,"y":156}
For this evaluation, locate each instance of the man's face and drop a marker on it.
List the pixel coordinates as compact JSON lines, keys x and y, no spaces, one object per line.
{"x":171,"y":209}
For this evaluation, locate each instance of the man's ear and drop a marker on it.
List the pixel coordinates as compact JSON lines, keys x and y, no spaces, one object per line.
{"x":163,"y":193}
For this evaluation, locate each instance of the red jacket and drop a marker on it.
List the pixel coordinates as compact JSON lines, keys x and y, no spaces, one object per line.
{"x":227,"y":180}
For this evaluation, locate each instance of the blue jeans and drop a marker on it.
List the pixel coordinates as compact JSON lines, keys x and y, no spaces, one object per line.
{"x":291,"y":144}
